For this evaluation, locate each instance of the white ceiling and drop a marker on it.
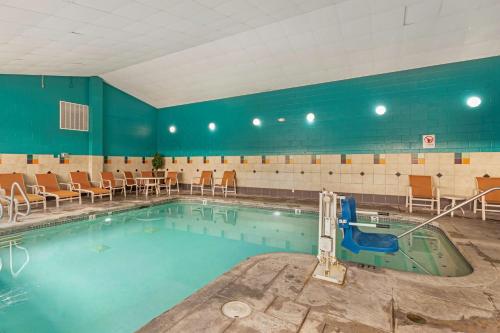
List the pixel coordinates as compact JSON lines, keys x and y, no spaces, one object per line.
{"x":170,"y":52}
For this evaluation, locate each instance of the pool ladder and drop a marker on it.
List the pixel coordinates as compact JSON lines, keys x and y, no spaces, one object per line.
{"x":472,"y":199}
{"x":13,"y":204}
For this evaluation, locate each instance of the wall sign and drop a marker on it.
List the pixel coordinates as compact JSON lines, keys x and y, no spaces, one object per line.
{"x":428,"y":141}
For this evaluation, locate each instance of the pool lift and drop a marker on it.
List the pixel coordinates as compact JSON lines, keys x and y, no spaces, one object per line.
{"x":355,"y":240}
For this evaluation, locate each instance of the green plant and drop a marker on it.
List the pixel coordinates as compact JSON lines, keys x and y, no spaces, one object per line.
{"x":158,"y":161}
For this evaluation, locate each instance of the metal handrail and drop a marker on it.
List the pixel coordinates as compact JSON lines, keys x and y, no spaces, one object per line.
{"x":13,"y":207}
{"x":477,"y":196}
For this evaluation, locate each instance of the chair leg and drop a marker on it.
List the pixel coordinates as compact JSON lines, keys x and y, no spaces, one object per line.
{"x":483,"y":209}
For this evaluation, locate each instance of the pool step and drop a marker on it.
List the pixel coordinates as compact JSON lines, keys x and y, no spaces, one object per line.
{"x":8,"y":240}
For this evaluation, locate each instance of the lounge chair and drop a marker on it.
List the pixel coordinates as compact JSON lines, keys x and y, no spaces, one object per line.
{"x":422,"y":193}
{"x":172,"y":181}
{"x":108,"y":181}
{"x":227,"y":181}
{"x":48,"y":186}
{"x":206,"y":179}
{"x":130,"y":181}
{"x":80,"y":183}
{"x":6,"y":181}
{"x":491,"y":201}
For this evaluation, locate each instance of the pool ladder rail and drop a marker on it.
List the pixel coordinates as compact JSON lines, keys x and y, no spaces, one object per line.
{"x":471,"y":199}
{"x":13,"y":203}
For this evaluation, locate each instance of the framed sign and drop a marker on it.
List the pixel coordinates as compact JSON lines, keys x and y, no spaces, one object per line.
{"x":429,"y":141}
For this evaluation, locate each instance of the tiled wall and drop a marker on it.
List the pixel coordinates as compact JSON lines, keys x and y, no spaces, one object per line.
{"x":376,"y":176}
{"x":30,"y":165}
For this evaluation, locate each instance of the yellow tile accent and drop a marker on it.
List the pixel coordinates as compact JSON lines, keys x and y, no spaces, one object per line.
{"x":465,"y":160}
{"x":348,"y":161}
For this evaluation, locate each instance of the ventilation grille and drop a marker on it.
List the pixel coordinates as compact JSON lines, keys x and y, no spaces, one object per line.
{"x":73,"y":116}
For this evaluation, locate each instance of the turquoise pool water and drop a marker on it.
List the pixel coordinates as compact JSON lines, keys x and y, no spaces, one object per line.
{"x":115,"y":273}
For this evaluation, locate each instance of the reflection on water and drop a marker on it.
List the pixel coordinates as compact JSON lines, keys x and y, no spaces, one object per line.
{"x":116,"y":272}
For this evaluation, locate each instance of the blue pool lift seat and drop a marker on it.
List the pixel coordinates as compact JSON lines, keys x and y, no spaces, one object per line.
{"x":356,"y":240}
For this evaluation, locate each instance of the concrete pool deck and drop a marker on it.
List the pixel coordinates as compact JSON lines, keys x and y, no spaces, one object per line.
{"x":285,"y":298}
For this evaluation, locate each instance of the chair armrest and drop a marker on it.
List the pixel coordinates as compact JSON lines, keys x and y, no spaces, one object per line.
{"x":40,"y":188}
{"x":67,"y":185}
{"x":105,"y":183}
{"x":34,"y":188}
{"x":76,"y":186}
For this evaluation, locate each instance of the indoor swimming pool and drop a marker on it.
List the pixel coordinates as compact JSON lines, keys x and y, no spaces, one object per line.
{"x":116,"y":272}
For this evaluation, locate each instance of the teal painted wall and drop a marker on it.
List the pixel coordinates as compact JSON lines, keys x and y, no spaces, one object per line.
{"x":129,"y":124}
{"x":422,"y":101}
{"x":30,"y":114}
{"x":119,"y":123}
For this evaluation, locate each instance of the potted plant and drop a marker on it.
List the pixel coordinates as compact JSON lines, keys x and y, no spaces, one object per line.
{"x":158,"y":162}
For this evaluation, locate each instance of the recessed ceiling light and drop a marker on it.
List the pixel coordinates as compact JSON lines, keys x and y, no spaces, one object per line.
{"x":281,"y":120}
{"x":172,"y":129}
{"x":310,"y":118}
{"x":473,"y":101}
{"x":256,"y":122}
{"x":211,"y":126}
{"x":380,"y":110}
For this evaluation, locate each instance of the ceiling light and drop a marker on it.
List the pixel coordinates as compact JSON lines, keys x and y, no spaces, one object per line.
{"x":473,"y":101}
{"x":211,"y":126}
{"x":256,"y":122}
{"x":380,"y":110}
{"x":172,"y":129}
{"x":310,"y":118}
{"x":281,"y":120}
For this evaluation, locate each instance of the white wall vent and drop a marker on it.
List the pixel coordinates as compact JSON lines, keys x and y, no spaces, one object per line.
{"x":73,"y":116}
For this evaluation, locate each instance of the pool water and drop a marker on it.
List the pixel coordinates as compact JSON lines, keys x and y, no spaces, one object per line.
{"x":117,"y":272}
{"x":425,"y":251}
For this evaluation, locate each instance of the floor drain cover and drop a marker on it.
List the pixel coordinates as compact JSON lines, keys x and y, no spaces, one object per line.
{"x":416,"y":318}
{"x":236,"y":309}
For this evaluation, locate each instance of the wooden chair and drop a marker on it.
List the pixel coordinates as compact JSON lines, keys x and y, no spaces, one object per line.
{"x":422,"y":193}
{"x":206,"y":179}
{"x":80,"y":183}
{"x":108,"y":181}
{"x":227,"y":181}
{"x":6,"y":181}
{"x":48,"y":186}
{"x":491,"y":201}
